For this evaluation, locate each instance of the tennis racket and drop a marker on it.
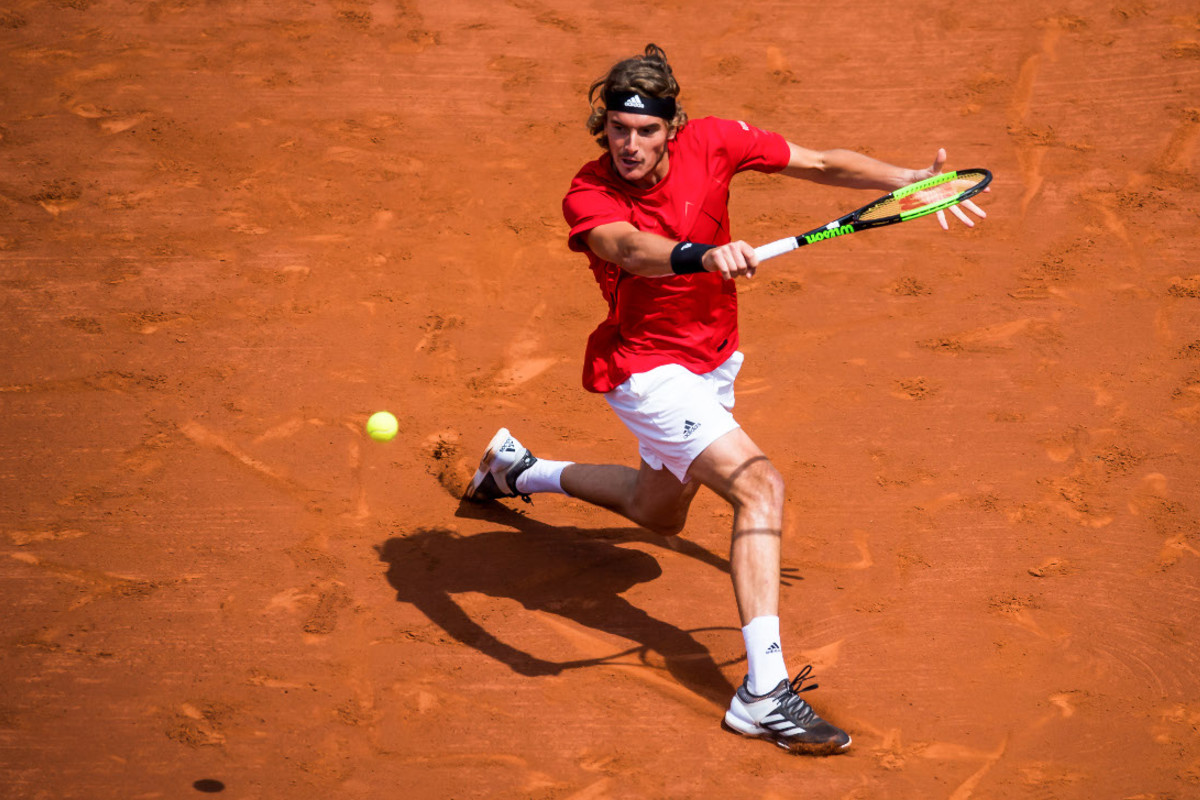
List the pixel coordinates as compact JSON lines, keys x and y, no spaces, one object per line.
{"x":912,"y":201}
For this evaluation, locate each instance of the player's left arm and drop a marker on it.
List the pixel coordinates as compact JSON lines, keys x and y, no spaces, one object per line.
{"x":852,"y":170}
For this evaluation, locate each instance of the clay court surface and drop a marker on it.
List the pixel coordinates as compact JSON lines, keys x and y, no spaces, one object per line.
{"x":229,"y":231}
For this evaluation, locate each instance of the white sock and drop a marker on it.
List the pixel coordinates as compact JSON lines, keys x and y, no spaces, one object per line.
{"x":764,"y":655}
{"x":542,"y":476}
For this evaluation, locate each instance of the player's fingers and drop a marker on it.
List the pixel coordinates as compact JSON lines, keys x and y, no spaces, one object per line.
{"x":712,"y":262}
{"x":723,"y":264}
{"x":938,"y":161}
{"x":941,"y":218}
{"x":974,"y":209}
{"x":958,"y":212}
{"x":747,"y":258}
{"x":735,"y":260}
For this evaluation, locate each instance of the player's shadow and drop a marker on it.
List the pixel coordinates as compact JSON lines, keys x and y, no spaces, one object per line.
{"x":575,"y":573}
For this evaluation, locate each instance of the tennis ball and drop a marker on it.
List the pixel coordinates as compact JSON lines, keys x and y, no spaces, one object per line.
{"x":382,"y":426}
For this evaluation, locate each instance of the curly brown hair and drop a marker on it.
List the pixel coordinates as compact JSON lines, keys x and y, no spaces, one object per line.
{"x":648,"y":74}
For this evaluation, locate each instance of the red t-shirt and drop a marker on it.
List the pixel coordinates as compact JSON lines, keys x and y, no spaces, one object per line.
{"x":690,"y":320}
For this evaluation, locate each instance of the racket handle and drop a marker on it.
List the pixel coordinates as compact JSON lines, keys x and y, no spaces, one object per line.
{"x":776,"y":248}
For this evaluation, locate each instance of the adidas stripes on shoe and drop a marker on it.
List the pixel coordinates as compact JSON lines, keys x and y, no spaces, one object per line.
{"x":782,"y":717}
{"x":503,"y":461}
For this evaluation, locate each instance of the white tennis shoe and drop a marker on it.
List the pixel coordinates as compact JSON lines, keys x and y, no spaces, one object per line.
{"x":780,"y":716}
{"x":502,"y":463}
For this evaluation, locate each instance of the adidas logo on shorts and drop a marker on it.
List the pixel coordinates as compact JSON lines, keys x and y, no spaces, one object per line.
{"x":689,"y":428}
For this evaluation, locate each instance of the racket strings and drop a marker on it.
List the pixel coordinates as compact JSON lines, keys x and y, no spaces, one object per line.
{"x":937,"y":194}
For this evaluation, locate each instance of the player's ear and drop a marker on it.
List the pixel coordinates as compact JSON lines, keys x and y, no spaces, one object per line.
{"x":671,"y":131}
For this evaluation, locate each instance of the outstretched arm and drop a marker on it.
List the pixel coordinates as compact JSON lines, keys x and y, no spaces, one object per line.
{"x":857,"y":171}
{"x":852,"y":170}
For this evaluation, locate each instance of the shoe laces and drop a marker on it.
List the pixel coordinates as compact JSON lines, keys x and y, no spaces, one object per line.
{"x":792,"y":704}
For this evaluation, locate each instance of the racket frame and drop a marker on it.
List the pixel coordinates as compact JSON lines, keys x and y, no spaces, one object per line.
{"x":853,"y":222}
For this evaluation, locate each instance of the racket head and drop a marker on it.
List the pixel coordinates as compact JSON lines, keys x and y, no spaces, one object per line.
{"x":925,"y":197}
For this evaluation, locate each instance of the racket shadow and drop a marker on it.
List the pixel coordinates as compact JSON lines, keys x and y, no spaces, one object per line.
{"x":577,"y":574}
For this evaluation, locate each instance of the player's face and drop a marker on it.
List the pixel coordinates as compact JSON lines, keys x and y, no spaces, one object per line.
{"x":638,"y":144}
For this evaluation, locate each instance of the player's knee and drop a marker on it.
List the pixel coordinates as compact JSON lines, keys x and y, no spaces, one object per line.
{"x":759,"y":484}
{"x":664,"y":523}
{"x":672,"y":527}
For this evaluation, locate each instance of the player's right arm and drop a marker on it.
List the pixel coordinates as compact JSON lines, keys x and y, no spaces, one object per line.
{"x":649,"y":254}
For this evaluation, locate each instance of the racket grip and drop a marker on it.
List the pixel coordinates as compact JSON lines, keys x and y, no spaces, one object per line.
{"x":776,"y":248}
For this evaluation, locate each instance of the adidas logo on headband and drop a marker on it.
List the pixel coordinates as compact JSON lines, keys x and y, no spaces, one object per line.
{"x":663,"y":107}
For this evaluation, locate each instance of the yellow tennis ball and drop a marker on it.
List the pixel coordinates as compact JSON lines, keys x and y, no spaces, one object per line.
{"x":382,"y":426}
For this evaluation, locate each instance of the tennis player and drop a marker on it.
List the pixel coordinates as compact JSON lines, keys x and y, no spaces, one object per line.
{"x":651,"y":215}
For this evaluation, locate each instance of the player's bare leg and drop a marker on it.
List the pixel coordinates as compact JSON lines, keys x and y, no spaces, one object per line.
{"x":766,"y":705}
{"x":652,"y":498}
{"x":737,"y":470}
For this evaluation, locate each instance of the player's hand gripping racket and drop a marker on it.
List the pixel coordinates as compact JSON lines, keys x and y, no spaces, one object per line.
{"x":912,"y":201}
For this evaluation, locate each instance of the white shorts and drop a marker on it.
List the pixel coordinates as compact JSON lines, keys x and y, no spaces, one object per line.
{"x":675,"y":414}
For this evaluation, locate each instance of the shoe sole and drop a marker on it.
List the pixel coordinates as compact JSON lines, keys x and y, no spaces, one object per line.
{"x":485,"y":463}
{"x":735,"y":725}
